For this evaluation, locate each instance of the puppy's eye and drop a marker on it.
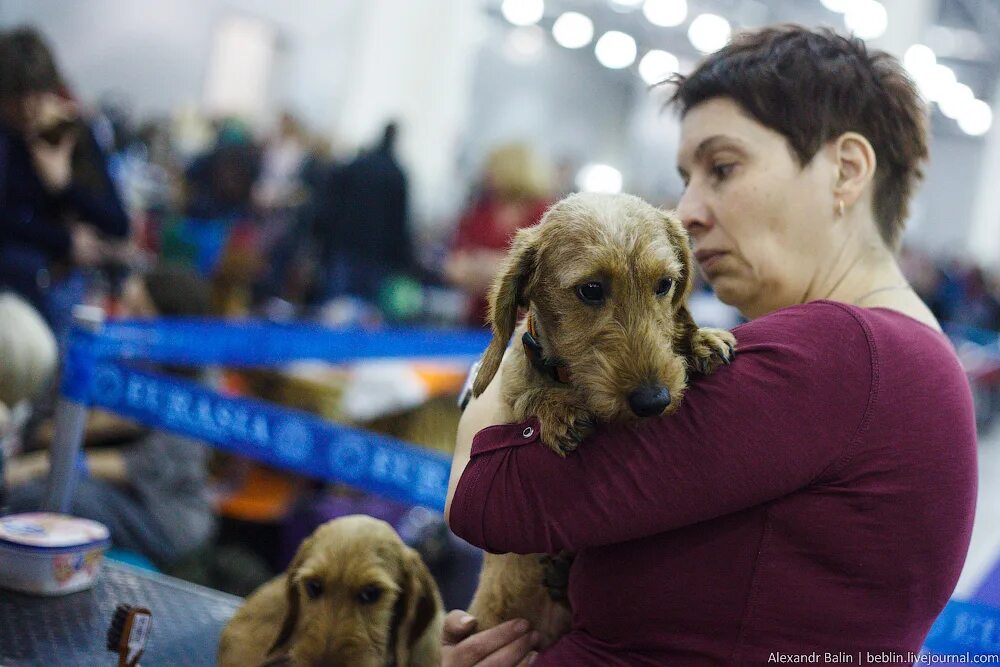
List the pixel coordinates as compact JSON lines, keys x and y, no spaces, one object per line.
{"x":314,"y":588}
{"x":369,"y":594}
{"x":591,"y":293}
{"x":663,"y":286}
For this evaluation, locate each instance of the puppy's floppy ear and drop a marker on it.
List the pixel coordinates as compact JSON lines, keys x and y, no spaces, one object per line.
{"x":681,"y":241}
{"x":292,"y":597}
{"x":418,"y":604}
{"x":509,"y":291}
{"x":685,"y":327}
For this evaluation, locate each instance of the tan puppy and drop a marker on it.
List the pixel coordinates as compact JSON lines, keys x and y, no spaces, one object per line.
{"x":607,"y":337}
{"x":354,"y":596}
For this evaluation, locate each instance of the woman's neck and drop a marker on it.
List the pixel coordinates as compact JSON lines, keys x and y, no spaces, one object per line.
{"x":870,"y":277}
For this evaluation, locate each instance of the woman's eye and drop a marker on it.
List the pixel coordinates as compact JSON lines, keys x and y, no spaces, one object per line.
{"x":369,"y":594}
{"x":663,"y":286}
{"x":591,"y":293}
{"x":314,"y":588}
{"x":722,"y":171}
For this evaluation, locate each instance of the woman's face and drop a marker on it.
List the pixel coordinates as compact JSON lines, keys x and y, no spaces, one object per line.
{"x":761,"y":224}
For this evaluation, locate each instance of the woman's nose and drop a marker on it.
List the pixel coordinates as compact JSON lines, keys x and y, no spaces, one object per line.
{"x":692,"y":211}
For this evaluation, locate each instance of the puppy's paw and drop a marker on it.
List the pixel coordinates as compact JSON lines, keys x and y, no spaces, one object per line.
{"x":562,"y":431}
{"x":555,"y":576}
{"x":711,"y":348}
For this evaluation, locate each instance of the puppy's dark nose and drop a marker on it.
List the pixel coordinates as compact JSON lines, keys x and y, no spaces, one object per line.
{"x":649,"y":400}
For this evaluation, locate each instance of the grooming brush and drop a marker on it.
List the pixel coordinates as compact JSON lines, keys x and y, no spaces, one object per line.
{"x":128,"y":633}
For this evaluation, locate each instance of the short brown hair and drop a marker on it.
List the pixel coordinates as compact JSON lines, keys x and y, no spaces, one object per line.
{"x":812,"y":86}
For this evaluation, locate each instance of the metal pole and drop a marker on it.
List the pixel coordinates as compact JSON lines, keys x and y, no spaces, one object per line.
{"x":71,"y":418}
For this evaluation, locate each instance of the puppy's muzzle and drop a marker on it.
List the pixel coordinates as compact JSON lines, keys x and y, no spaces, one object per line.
{"x":649,"y":400}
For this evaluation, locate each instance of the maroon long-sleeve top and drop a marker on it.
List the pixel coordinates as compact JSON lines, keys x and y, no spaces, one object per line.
{"x":816,"y":495}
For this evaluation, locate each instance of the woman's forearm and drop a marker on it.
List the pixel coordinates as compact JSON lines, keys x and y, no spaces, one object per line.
{"x":482,"y":411}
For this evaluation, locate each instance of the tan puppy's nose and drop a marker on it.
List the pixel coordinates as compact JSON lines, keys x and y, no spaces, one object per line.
{"x":649,"y":400}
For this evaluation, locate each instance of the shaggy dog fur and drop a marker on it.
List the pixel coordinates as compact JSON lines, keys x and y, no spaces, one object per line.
{"x":604,"y":280}
{"x":354,"y":596}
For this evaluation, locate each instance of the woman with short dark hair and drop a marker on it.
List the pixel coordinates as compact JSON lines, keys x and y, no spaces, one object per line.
{"x":818,"y":494}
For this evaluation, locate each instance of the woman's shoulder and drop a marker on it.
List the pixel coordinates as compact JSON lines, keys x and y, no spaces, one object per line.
{"x":836,"y":319}
{"x":830,"y":337}
{"x":808,"y":326}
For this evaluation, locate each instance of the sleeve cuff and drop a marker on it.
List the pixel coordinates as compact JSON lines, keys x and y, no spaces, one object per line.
{"x":468,"y":506}
{"x":502,"y":436}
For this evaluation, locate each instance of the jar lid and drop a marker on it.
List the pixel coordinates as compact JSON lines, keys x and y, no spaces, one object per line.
{"x":50,"y":530}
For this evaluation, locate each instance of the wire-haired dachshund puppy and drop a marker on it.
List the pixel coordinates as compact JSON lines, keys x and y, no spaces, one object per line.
{"x":354,"y":596}
{"x":606,"y":337}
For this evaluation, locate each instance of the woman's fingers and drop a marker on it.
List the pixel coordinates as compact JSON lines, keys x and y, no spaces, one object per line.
{"x":457,"y":626}
{"x":506,"y":645}
{"x":513,"y":654}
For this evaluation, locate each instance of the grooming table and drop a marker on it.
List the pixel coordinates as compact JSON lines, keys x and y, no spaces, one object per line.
{"x":72,"y":629}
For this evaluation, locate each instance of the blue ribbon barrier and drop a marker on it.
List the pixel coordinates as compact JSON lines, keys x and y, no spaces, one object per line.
{"x":965,"y":628}
{"x":254,"y":343}
{"x":281,"y":437}
{"x":288,"y":439}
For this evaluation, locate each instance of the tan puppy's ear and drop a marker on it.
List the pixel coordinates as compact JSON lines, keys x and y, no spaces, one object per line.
{"x":292,"y":597}
{"x":509,"y":291}
{"x":418,"y":603}
{"x":681,"y":241}
{"x":685,"y":327}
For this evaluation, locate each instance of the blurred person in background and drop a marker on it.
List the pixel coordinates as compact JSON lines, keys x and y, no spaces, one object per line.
{"x":220,"y":182}
{"x":279,"y":183}
{"x":149,"y":487}
{"x":363,"y":222}
{"x":514,"y":193}
{"x":979,"y":307}
{"x":57,"y":202}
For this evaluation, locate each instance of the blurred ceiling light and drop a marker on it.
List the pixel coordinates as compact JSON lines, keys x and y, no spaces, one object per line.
{"x":525,"y":44}
{"x":665,"y":13}
{"x":709,"y":32}
{"x":918,"y":59}
{"x":953,"y":104}
{"x":599,"y":178}
{"x":866,"y":18}
{"x":835,"y":5}
{"x":523,"y":12}
{"x":615,"y":50}
{"x":976,"y":118}
{"x":936,"y":82}
{"x":573,"y":30}
{"x":625,"y":5}
{"x":657,"y":66}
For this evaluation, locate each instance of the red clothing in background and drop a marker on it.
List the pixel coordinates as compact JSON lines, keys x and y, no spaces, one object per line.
{"x":484,"y":227}
{"x":816,"y":495}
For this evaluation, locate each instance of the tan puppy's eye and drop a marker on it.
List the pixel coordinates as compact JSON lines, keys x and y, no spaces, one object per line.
{"x":663,"y":286}
{"x":370,"y":594}
{"x":591,"y":293}
{"x":314,"y":588}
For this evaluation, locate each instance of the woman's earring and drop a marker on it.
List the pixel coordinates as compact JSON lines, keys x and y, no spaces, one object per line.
{"x":840,"y":208}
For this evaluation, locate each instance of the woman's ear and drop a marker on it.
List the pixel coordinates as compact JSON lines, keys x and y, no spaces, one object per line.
{"x":855,"y":162}
{"x":510,"y":291}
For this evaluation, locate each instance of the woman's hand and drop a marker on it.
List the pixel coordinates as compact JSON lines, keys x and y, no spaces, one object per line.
{"x":54,"y":162}
{"x":509,"y":644}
